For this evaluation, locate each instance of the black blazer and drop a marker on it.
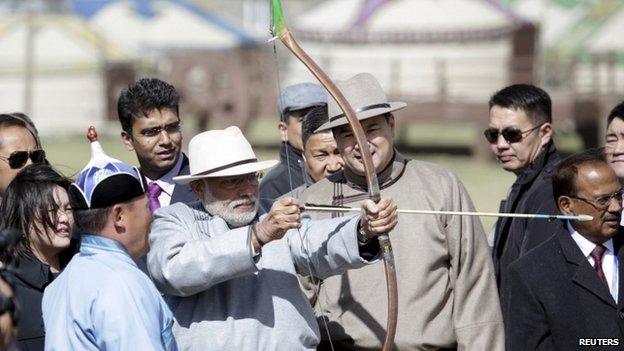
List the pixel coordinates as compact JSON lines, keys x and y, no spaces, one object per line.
{"x":556,"y":300}
{"x":31,"y":279}
{"x":182,"y":192}
{"x":531,"y":193}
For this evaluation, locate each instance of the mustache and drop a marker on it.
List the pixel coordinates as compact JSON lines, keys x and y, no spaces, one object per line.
{"x":251,"y":200}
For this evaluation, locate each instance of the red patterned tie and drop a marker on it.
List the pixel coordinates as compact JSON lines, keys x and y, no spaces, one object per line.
{"x":597,"y":254}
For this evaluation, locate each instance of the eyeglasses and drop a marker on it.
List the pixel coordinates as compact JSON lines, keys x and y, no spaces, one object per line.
{"x":603,"y":202}
{"x":231,"y":183}
{"x":18,"y":159}
{"x":511,"y":135}
{"x":172,"y":128}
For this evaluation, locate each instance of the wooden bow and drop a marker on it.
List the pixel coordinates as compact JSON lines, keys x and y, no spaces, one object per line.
{"x":279,"y":30}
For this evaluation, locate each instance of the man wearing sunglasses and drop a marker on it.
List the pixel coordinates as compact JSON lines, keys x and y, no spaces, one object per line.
{"x":520,"y":136}
{"x":149,"y":116}
{"x":19,"y":147}
{"x":566,"y":293}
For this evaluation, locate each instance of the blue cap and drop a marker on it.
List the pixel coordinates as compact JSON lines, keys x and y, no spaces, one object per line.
{"x":300,"y":96}
{"x":104,"y":182}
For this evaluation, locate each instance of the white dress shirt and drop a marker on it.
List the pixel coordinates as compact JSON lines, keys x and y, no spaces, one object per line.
{"x":166,"y":183}
{"x":609,"y":259}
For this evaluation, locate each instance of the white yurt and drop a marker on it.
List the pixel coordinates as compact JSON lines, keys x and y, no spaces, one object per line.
{"x":52,"y":68}
{"x":423,"y":50}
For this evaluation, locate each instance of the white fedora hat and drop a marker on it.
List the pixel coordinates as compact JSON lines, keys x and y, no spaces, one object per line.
{"x":365,"y":95}
{"x":221,"y":153}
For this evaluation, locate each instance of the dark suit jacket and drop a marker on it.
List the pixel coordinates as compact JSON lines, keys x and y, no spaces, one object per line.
{"x":530,"y":193}
{"x":182,"y":192}
{"x":556,"y":298}
{"x":283,"y":178}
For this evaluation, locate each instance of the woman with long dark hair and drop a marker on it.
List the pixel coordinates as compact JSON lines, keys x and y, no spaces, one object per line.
{"x":36,"y":204}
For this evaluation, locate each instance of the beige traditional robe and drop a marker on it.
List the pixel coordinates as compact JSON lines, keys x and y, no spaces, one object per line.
{"x":447,"y":291}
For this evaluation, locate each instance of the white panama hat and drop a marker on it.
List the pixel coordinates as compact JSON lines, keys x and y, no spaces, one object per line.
{"x":221,"y":153}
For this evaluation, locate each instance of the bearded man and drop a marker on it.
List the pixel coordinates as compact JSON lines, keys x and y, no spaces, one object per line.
{"x":231,"y":277}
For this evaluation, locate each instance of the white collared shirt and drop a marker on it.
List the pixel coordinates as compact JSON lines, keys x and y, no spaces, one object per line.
{"x":609,"y":259}
{"x":166,"y":183}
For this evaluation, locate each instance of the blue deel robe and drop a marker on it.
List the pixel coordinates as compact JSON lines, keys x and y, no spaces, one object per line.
{"x":102,"y":301}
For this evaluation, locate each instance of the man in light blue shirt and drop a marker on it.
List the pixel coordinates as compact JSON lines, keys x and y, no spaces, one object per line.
{"x":102,"y":301}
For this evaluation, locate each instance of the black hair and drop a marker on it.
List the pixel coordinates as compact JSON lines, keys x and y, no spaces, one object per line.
{"x":91,"y":221}
{"x":312,"y":121}
{"x":27,"y":203}
{"x":18,"y":119}
{"x":144,"y":96}
{"x":616,"y":112}
{"x":563,"y":181}
{"x":534,"y":101}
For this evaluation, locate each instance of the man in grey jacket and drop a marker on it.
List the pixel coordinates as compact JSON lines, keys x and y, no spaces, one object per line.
{"x":231,"y":278}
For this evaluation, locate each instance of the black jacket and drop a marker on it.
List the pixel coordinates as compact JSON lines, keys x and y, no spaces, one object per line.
{"x":556,"y":300}
{"x":182,"y":192}
{"x":283,"y":178}
{"x":31,"y":279}
{"x":530,"y":193}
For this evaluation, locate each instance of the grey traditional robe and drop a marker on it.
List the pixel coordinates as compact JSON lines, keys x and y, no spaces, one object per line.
{"x":447,"y":291}
{"x":225,"y":299}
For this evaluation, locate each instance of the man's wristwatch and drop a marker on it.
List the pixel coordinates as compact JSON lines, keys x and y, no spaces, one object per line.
{"x":361,"y":235}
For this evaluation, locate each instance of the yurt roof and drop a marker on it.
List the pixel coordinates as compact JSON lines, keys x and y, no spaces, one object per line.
{"x":608,"y":38}
{"x":576,"y":26}
{"x":554,"y":18}
{"x":60,"y":42}
{"x":161,"y":24}
{"x":406,"y":20}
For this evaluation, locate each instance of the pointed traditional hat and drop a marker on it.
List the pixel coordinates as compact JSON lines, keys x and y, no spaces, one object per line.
{"x":105,"y":181}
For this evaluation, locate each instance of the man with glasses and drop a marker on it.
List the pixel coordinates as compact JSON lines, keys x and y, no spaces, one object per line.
{"x":565,"y":294}
{"x":149,"y":116}
{"x":520,"y":136}
{"x":19,"y":147}
{"x":231,"y":275}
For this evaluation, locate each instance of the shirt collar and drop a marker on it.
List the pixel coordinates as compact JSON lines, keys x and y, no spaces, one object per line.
{"x":166,"y":182}
{"x":90,"y":243}
{"x":585,"y":245}
{"x":534,"y":169}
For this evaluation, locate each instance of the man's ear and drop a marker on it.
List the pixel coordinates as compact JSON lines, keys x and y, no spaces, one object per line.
{"x":283,"y":130}
{"x":127,"y":140}
{"x":546,"y":133}
{"x":391,"y":123}
{"x":198,"y":188}
{"x":119,"y":215}
{"x":565,"y":205}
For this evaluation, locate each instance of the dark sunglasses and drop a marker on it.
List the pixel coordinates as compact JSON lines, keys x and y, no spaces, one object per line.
{"x":511,"y":135}
{"x":18,"y":159}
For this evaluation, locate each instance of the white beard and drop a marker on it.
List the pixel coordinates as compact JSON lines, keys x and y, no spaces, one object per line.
{"x":226,"y":210}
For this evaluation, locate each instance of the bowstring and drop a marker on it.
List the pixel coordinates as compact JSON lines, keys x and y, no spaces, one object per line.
{"x":315,"y":281}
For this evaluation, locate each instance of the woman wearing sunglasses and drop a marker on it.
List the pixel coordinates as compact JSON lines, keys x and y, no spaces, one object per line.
{"x":36,"y":204}
{"x":19,"y":146}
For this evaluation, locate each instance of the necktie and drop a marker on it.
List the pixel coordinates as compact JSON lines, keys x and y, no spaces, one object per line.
{"x":597,"y":254}
{"x":153,"y":191}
